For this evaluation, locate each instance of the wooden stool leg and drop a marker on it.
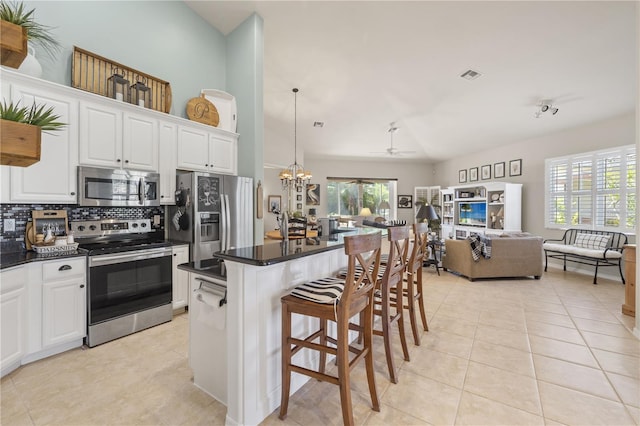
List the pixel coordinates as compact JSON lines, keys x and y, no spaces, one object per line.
{"x":386,"y":335}
{"x":342,"y":358}
{"x":412,"y":309}
{"x":286,"y":361}
{"x":420,"y":294}
{"x":323,"y":342}
{"x":368,"y":343}
{"x":400,"y":311}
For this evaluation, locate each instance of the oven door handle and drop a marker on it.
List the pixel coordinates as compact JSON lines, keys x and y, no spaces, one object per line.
{"x":128,"y":257}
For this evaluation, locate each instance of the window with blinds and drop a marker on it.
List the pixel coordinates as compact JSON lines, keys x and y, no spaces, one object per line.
{"x":595,"y":190}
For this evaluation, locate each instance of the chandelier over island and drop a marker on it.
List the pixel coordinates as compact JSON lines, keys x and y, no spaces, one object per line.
{"x":294,"y":175}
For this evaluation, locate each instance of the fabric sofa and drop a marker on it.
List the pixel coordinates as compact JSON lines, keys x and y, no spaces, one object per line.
{"x":511,"y":256}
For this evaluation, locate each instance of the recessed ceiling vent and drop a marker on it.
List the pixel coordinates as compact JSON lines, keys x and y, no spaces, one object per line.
{"x":470,"y":74}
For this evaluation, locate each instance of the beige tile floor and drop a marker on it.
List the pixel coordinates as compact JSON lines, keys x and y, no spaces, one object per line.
{"x":503,"y":352}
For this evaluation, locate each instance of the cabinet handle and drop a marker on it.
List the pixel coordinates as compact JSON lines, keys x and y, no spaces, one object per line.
{"x":64,"y":268}
{"x":73,"y":193}
{"x":81,"y":285}
{"x":206,"y":165}
{"x":118,"y":160}
{"x":126,"y":161}
{"x":175,"y":254}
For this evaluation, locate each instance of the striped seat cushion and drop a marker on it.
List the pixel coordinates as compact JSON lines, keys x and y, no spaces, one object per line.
{"x":323,"y":290}
{"x":358,"y":271}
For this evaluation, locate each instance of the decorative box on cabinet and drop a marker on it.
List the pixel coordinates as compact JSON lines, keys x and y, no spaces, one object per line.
{"x":53,"y":178}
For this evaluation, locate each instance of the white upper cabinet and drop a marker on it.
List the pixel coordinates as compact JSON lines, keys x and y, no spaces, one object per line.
{"x":100,"y":135}
{"x":207,"y":151}
{"x":224,"y":154}
{"x":140,"y":142}
{"x":53,"y":178}
{"x":110,"y":137}
{"x":168,"y":142}
{"x":193,"y":149}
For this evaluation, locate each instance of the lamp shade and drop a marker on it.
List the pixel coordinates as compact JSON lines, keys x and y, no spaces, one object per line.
{"x":385,"y":205}
{"x":365,"y":212}
{"x":427,"y":212}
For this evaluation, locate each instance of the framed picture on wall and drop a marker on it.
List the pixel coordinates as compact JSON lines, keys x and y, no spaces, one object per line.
{"x":299,"y":206}
{"x":473,"y":174}
{"x":498,"y":170}
{"x":274,"y":203}
{"x":462,"y":176}
{"x":313,"y":194}
{"x":485,"y":172}
{"x":299,"y":197}
{"x":515,"y":167}
{"x":405,"y":201}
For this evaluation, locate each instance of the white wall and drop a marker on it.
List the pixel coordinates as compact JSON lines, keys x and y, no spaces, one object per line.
{"x":613,"y":132}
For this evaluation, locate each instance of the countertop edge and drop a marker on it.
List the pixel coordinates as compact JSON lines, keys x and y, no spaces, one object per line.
{"x":277,"y":260}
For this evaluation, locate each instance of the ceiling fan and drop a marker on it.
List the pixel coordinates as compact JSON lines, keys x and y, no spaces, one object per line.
{"x":392,"y":151}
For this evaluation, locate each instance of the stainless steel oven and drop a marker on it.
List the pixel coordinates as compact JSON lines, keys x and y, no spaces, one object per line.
{"x":129,"y":277}
{"x":117,"y":187}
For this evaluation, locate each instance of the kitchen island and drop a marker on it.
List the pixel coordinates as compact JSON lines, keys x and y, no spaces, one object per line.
{"x":256,"y":279}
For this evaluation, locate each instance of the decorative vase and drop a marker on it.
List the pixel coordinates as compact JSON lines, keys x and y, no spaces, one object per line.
{"x":30,"y":65}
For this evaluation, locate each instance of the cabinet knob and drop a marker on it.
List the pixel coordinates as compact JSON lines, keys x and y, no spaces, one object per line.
{"x":118,"y":160}
{"x":206,"y":165}
{"x":126,"y":161}
{"x":81,"y":285}
{"x":73,"y":193}
{"x":175,"y":254}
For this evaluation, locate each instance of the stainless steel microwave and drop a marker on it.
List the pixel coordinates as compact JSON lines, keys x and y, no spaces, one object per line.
{"x":118,"y":187}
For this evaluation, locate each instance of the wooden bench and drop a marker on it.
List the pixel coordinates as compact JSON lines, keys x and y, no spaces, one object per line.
{"x":589,"y":247}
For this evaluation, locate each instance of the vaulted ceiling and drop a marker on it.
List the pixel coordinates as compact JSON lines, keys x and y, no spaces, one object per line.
{"x":361,"y":65}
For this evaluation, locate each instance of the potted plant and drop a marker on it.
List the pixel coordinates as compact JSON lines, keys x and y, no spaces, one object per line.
{"x":17,"y":25}
{"x":21,"y":130}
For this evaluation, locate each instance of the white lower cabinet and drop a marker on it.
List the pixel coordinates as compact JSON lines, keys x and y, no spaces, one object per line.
{"x":13,"y":317}
{"x":63,"y":302}
{"x":180,"y":278}
{"x":43,"y":310}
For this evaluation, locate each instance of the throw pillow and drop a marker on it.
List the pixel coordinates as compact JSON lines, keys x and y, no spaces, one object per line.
{"x":324,"y":290}
{"x":592,"y":241}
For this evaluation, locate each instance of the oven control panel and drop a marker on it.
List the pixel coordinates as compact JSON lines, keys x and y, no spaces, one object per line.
{"x":95,"y":228}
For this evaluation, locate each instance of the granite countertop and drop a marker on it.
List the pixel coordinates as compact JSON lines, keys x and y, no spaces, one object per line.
{"x":14,"y":254}
{"x":270,"y":254}
{"x":16,"y":258}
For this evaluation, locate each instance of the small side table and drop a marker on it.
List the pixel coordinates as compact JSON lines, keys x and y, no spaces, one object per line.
{"x":629,"y":253}
{"x":435,"y":256}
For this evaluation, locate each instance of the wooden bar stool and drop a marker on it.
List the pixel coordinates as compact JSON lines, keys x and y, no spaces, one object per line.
{"x":385,"y":295}
{"x":336,"y":300}
{"x":414,"y":291}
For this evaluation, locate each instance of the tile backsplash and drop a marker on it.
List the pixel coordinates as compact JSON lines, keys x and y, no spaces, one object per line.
{"x":21,"y":213}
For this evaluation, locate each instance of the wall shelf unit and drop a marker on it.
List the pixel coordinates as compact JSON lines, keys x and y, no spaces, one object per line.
{"x":488,"y":208}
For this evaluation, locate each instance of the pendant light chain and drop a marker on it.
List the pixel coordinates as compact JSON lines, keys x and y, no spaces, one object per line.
{"x":295,"y":174}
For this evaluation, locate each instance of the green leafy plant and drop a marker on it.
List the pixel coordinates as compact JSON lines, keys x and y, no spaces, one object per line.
{"x":38,"y":33}
{"x":35,"y":115}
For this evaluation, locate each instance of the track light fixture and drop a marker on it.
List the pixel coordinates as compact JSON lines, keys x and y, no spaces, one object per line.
{"x":545,"y":106}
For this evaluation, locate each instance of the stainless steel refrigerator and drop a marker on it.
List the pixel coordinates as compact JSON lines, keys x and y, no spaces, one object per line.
{"x":212,"y":213}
